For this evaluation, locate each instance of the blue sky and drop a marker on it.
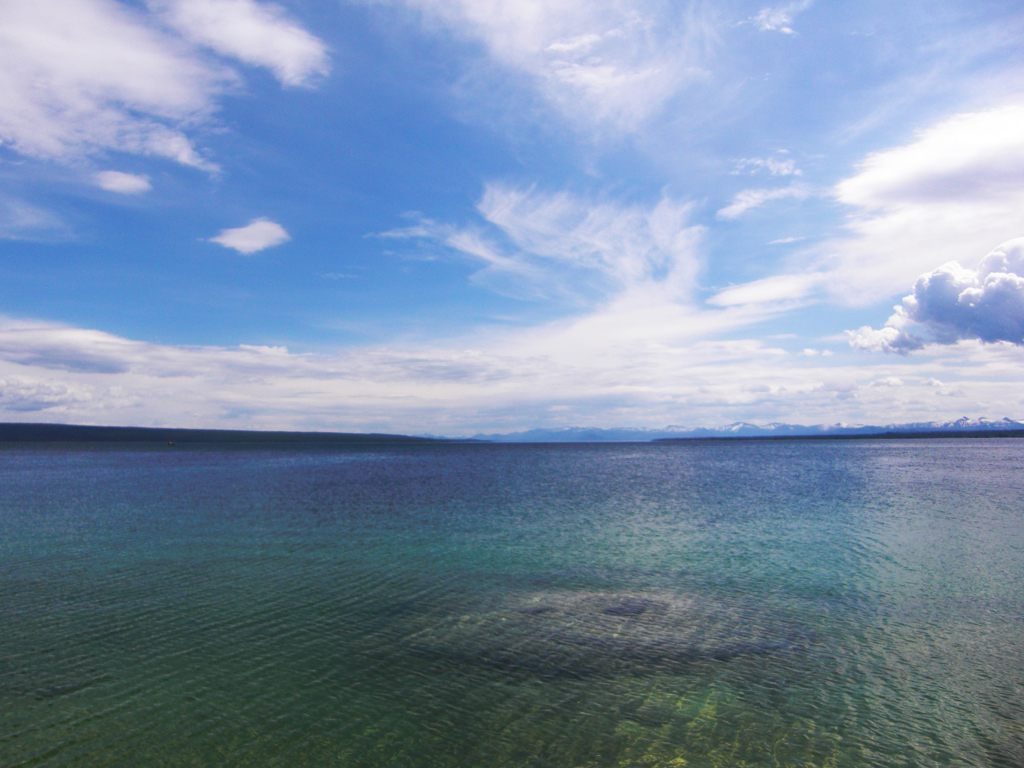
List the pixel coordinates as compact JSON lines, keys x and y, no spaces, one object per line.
{"x":462,"y":216}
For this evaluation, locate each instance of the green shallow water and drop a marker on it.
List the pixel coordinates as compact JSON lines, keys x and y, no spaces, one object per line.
{"x":728,"y":604}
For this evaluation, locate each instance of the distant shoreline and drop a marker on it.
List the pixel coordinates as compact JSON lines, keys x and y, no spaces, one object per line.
{"x":79,"y":433}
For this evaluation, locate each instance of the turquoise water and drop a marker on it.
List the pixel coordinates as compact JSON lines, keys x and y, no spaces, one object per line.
{"x":696,"y":604}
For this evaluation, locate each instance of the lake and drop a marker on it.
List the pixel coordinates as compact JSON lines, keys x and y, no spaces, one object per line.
{"x":746,"y":603}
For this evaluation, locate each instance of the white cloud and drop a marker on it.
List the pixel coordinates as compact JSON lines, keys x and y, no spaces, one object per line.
{"x":941,"y":389}
{"x":639,"y":361}
{"x":124,"y":183}
{"x":20,"y":220}
{"x":258,"y":34}
{"x":257,"y":235}
{"x":19,"y":395}
{"x":626,"y":244}
{"x":949,"y":194}
{"x":55,"y":347}
{"x":81,"y":75}
{"x":885,"y":339}
{"x":778,"y":19}
{"x":78,"y":77}
{"x":595,"y":60}
{"x":953,"y":303}
{"x":561,"y":246}
{"x":754,"y":198}
{"x":770,"y":289}
{"x":633,"y":268}
{"x":958,"y":303}
{"x":966,"y":157}
{"x":776,"y":166}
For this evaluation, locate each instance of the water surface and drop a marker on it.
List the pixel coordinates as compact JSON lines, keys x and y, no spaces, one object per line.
{"x":832,"y":603}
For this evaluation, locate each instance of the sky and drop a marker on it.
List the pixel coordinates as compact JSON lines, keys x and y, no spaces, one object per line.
{"x":471,"y":216}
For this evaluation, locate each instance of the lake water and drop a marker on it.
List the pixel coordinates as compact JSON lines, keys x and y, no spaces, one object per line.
{"x":832,"y":603}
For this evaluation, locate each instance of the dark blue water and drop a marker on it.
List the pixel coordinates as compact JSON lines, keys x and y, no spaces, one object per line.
{"x":697,"y":604}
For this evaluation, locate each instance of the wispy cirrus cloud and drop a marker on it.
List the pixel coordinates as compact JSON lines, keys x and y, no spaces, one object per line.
{"x":558,"y":245}
{"x":770,"y":289}
{"x":597,"y":62}
{"x":21,"y":220}
{"x":779,"y":18}
{"x":755,"y":198}
{"x":779,"y":164}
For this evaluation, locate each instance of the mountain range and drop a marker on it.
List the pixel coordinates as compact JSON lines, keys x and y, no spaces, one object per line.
{"x":744,"y":429}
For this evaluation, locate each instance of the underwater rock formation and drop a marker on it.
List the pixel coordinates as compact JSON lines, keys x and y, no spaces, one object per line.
{"x":567,"y":633}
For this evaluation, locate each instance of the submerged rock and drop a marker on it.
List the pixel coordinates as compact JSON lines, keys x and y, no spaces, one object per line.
{"x":569,"y":633}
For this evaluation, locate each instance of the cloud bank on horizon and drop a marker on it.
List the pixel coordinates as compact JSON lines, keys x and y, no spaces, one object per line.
{"x":545,"y":213}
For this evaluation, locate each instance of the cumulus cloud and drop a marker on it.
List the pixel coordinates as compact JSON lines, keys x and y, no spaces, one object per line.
{"x":257,"y":235}
{"x":755,"y":198}
{"x":258,"y":34}
{"x":82,"y":76}
{"x":953,"y":303}
{"x":953,"y":191}
{"x":886,"y":339}
{"x":123,"y":183}
{"x":593,"y":59}
{"x":957,"y":303}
